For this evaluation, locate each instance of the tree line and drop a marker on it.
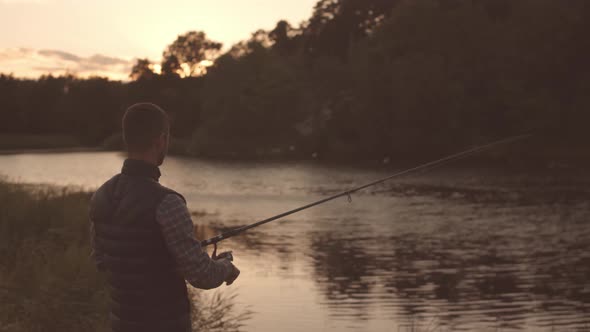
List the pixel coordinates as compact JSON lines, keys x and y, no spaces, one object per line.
{"x":362,"y":79}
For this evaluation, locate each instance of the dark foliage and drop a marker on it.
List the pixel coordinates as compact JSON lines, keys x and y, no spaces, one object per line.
{"x":91,"y":109}
{"x":371,"y":78}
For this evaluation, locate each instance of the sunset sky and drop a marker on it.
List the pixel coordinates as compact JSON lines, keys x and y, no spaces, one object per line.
{"x":103,"y":37}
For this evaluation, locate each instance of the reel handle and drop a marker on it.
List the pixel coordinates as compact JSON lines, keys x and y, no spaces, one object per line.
{"x":226,"y":254}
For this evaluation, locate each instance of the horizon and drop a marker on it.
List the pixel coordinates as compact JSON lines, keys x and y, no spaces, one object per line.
{"x":71,"y":38}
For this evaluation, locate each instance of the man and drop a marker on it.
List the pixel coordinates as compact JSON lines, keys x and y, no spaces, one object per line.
{"x":142,"y":235}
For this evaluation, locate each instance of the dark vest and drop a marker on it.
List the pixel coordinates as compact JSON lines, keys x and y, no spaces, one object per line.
{"x":146,"y":291}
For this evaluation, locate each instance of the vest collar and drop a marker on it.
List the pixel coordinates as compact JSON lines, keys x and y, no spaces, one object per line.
{"x":135,"y":167}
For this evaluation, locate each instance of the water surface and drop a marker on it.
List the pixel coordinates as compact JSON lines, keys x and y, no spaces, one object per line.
{"x":451,"y":250}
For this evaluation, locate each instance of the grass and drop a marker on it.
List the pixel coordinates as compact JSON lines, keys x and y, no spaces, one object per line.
{"x":48,"y":282}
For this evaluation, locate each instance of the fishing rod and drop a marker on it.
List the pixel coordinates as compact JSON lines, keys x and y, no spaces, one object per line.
{"x":347,"y":193}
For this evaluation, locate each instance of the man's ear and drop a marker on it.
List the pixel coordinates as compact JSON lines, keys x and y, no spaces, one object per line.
{"x":159,"y":141}
{"x":162,"y":139}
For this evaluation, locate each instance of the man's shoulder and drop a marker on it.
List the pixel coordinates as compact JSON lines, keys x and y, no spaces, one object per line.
{"x":110,"y":182}
{"x":106,"y":187}
{"x":120,"y":185}
{"x":172,"y":194}
{"x":102,"y":198}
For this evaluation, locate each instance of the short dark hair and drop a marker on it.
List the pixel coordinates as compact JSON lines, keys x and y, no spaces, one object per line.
{"x":143,"y":123}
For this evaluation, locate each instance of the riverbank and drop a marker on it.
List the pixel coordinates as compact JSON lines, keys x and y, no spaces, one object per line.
{"x":51,"y":150}
{"x":17,"y":144}
{"x":21,"y":142}
{"x":48,"y":281}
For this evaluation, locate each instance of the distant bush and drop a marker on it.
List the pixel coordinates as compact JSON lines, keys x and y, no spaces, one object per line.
{"x":113,"y":142}
{"x":178,"y":146}
{"x":17,"y":141}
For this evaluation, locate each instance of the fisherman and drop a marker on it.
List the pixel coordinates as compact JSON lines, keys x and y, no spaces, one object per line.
{"x":142,"y":235}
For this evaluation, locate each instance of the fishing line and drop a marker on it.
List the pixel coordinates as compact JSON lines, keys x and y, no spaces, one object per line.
{"x":347,"y":193}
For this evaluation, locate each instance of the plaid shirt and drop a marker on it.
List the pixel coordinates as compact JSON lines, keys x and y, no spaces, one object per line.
{"x":192,"y":261}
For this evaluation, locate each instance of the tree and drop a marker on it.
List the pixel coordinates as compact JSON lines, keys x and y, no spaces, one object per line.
{"x":190,"y":50}
{"x":335,"y":24}
{"x":250,"y":103}
{"x":142,"y":70}
{"x":171,"y":66}
{"x":259,"y":41}
{"x":284,"y":37}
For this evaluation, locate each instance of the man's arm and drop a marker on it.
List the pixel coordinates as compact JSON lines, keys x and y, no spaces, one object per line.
{"x":193,"y":262}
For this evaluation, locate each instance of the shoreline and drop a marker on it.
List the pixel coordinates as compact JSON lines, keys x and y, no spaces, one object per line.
{"x":53,"y":150}
{"x":537,"y":162}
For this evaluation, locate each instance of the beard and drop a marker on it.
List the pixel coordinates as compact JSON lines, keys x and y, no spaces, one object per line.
{"x":161,"y":157}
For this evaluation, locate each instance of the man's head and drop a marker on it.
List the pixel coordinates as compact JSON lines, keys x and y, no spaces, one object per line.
{"x":146,"y":131}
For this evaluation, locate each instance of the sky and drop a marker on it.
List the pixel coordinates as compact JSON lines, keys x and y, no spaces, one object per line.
{"x":104,"y":37}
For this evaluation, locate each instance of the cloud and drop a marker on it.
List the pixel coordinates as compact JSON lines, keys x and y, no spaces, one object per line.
{"x":30,"y":63}
{"x":14,"y":52}
{"x":60,"y":54}
{"x":106,"y":60}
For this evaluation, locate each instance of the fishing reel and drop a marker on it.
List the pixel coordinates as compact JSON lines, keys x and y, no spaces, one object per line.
{"x":226,"y":254}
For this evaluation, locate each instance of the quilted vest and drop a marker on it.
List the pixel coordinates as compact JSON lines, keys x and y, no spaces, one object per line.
{"x":147,"y":294}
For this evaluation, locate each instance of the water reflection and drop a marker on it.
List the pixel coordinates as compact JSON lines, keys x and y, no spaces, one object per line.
{"x":527,"y":270}
{"x":342,"y":268}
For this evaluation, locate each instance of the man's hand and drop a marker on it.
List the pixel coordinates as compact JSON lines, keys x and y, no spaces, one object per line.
{"x":227,"y":258}
{"x":233,"y":275}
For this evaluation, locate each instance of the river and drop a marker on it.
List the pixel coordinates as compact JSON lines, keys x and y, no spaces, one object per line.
{"x":450,"y":250}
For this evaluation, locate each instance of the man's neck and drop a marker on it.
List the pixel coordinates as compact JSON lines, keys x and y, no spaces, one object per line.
{"x":144,"y":157}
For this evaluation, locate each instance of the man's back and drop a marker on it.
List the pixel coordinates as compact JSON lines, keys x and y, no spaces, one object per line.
{"x":146,"y":290}
{"x":142,"y":235}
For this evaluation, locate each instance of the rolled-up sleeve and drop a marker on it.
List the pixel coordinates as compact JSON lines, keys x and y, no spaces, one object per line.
{"x":193,"y":262}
